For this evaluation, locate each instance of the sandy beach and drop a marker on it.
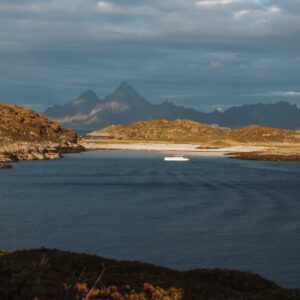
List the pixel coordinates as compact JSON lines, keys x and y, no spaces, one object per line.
{"x":181,"y":149}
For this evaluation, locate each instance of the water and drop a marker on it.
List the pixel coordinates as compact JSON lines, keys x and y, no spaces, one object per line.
{"x":209,"y":212}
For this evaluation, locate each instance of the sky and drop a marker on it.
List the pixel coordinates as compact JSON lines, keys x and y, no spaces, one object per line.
{"x":205,"y":54}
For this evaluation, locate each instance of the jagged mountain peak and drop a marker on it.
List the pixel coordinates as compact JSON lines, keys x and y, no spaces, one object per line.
{"x":89,"y":94}
{"x":125,"y":105}
{"x":127,"y":95}
{"x":126,"y":89}
{"x":125,"y":86}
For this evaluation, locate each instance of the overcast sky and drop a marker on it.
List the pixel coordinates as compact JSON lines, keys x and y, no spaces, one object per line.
{"x":204,"y":54}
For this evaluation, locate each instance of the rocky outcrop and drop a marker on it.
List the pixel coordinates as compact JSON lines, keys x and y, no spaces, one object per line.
{"x":26,"y":135}
{"x":261,"y":156}
{"x":29,"y":153}
{"x":35,"y":151}
{"x":5,"y":166}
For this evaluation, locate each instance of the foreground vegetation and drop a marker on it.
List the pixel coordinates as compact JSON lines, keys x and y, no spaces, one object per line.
{"x":52,"y":274}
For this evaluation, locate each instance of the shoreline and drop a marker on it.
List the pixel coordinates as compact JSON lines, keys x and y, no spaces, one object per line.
{"x":267,"y":152}
{"x":187,"y":149}
{"x":34,"y":151}
{"x":39,"y":151}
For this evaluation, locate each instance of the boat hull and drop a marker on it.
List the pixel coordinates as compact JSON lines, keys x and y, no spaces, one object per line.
{"x":176,"y":159}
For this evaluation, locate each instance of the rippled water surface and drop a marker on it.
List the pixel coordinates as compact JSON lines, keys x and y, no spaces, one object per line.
{"x":209,"y":212}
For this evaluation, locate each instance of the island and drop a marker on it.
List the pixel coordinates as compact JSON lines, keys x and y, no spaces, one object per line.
{"x":193,"y":138}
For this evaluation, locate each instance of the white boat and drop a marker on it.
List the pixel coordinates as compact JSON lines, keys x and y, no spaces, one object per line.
{"x":176,"y":158}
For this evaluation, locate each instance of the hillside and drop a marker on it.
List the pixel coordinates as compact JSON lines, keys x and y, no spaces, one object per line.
{"x":21,"y":124}
{"x":162,"y":130}
{"x":125,"y":106}
{"x":52,"y":274}
{"x":27,"y":135}
{"x":185,"y":131}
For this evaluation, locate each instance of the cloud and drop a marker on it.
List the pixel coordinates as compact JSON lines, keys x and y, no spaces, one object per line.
{"x":215,"y":3}
{"x":290,"y":94}
{"x":217,"y":51}
{"x":258,"y":14}
{"x":110,"y":8}
{"x":285,"y":94}
{"x":19,"y":8}
{"x":106,"y":7}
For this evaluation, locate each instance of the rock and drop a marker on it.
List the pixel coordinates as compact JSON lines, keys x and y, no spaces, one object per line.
{"x":7,"y":157}
{"x":36,"y":151}
{"x":38,"y":155}
{"x":261,"y":156}
{"x":52,"y":155}
{"x":5,"y":166}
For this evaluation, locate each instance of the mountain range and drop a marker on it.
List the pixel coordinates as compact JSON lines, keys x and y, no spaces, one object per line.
{"x":125,"y":106}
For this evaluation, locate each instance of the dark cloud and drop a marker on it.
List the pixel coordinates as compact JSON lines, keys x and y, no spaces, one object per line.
{"x":205,"y":54}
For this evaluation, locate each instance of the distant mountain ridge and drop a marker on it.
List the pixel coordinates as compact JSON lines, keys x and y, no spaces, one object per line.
{"x":125,"y":106}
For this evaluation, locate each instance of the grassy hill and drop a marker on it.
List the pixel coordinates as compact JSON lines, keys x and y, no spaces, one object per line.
{"x":18,"y":123}
{"x":187,"y":131}
{"x":26,"y":135}
{"x":52,"y":274}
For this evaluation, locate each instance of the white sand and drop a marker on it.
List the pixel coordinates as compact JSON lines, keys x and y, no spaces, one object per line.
{"x":182,"y":149}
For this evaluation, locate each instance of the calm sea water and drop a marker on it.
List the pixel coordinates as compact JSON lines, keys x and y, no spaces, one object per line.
{"x":209,"y":212}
